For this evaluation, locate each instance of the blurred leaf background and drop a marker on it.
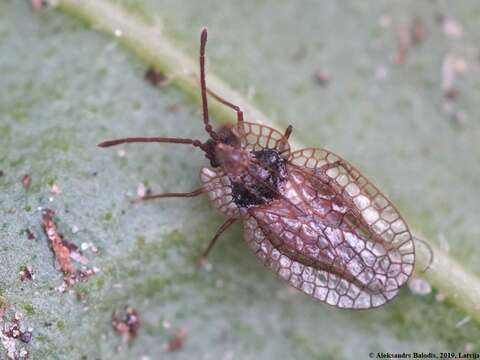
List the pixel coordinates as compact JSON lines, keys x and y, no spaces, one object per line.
{"x":65,"y":87}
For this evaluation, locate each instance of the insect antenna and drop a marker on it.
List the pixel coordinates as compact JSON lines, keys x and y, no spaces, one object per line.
{"x":203,"y":86}
{"x":114,"y":142}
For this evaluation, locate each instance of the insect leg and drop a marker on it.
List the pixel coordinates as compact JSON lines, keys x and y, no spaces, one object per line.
{"x":217,"y":97}
{"x":219,"y":232}
{"x":167,"y":195}
{"x":227,"y":103}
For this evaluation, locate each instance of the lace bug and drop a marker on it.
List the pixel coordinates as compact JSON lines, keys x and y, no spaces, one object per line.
{"x":308,"y":215}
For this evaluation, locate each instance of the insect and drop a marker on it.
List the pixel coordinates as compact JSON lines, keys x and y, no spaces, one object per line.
{"x":308,"y":215}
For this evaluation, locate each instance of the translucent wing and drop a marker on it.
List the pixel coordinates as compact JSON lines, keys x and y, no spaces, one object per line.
{"x":255,"y":137}
{"x":318,"y":282}
{"x":367,"y":203}
{"x":343,"y":242}
{"x":219,"y":189}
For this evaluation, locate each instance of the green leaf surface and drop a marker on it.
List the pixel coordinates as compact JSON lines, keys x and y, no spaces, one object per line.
{"x":65,"y":87}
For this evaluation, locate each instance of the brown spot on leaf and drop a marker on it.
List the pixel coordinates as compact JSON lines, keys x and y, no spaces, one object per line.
{"x":126,"y":323}
{"x":452,"y":67}
{"x":60,"y":249}
{"x":177,"y":341}
{"x":26,"y":180}
{"x":26,"y":273}
{"x":418,"y":31}
{"x":408,"y":37}
{"x":11,"y":333}
{"x":38,"y":4}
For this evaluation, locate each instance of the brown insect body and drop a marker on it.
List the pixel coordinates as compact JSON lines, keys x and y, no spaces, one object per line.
{"x":255,"y":176}
{"x":308,"y":215}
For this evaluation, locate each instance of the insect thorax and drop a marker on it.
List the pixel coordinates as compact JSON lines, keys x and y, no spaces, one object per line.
{"x":261,"y":181}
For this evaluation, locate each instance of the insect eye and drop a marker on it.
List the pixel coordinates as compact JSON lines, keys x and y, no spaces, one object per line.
{"x":226,"y":135}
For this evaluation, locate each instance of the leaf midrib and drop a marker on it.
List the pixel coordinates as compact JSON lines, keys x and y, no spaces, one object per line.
{"x":460,"y":286}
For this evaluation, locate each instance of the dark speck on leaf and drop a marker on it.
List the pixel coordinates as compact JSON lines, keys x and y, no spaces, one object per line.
{"x":154,"y":77}
{"x":26,"y":273}
{"x":126,"y":323}
{"x":30,"y":234}
{"x":26,"y":337}
{"x":322,"y":78}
